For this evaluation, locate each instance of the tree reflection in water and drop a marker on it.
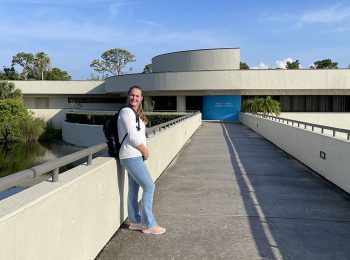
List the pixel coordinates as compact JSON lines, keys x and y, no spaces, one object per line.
{"x":21,"y":156}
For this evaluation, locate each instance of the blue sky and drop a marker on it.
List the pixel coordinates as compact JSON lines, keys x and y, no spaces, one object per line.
{"x":74,"y":32}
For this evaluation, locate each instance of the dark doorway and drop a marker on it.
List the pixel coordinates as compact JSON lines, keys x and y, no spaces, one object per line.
{"x":194,"y":103}
{"x":167,"y":103}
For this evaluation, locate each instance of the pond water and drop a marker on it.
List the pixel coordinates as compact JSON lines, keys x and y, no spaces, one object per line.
{"x":18,"y":157}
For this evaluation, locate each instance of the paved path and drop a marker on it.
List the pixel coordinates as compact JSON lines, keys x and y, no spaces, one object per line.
{"x":230,"y":194}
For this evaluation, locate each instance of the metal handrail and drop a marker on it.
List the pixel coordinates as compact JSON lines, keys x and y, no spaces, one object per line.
{"x":53,"y":165}
{"x":158,"y":128}
{"x":306,"y":124}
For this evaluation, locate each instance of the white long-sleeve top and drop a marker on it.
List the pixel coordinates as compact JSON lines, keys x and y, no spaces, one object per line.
{"x":127,"y":125}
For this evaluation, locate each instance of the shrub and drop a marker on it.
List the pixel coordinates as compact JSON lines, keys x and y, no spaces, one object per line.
{"x":33,"y":129}
{"x":17,"y":124}
{"x":50,"y":133}
{"x":157,"y":119}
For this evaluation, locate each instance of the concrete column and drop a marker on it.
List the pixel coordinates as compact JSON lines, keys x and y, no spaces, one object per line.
{"x":180,"y":103}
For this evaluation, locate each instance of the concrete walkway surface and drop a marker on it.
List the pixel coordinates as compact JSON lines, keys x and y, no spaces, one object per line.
{"x":230,"y":194}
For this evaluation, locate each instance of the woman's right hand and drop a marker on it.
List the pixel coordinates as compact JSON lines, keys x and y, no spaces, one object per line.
{"x":145,"y":154}
{"x":144,"y":151}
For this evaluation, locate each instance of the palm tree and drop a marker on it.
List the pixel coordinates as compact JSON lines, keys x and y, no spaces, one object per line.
{"x":9,"y":91}
{"x":247,"y":106}
{"x":265,"y":105}
{"x":42,"y":63}
{"x":270,"y":106}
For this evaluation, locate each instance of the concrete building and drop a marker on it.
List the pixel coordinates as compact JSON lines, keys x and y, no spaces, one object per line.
{"x":209,"y":80}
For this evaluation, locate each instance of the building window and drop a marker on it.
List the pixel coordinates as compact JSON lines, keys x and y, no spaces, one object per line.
{"x":312,"y":103}
{"x":75,"y":100}
{"x":165,"y":103}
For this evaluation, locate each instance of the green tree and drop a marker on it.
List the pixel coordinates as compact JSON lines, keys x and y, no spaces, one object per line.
{"x":113,"y":61}
{"x":243,"y":66}
{"x":41,"y":63}
{"x":17,"y":124}
{"x":264,"y":105}
{"x":147,"y":68}
{"x":9,"y":91}
{"x":56,"y":74}
{"x":252,"y":105}
{"x":324,"y":64}
{"x":26,"y":61}
{"x":270,"y":106}
{"x":293,"y":65}
{"x":9,"y":74}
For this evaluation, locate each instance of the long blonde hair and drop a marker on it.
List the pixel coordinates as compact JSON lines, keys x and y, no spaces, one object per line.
{"x":140,"y":108}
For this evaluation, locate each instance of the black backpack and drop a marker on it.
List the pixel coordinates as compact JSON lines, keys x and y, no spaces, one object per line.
{"x":110,"y":129}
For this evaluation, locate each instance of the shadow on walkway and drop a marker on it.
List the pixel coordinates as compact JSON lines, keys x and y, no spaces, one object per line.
{"x":231,"y":194}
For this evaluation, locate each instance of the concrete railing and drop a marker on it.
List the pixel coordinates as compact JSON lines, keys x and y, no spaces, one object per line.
{"x":323,"y":129}
{"x":75,"y":217}
{"x":88,"y":135}
{"x":325,"y":154}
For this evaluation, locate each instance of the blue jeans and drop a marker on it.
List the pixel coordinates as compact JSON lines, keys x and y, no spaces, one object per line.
{"x":139,"y":176}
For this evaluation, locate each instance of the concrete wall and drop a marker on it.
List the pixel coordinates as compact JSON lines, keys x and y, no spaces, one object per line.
{"x":55,"y":116}
{"x":305,"y":146}
{"x":69,"y":87}
{"x":209,"y":59}
{"x":242,"y":82}
{"x":338,"y":120}
{"x":76,"y":217}
{"x":82,"y":134}
{"x":58,"y":116}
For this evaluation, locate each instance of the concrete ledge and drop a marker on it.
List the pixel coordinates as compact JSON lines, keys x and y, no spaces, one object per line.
{"x":82,"y":134}
{"x":75,"y":218}
{"x":306,"y":146}
{"x":334,"y":119}
{"x":85,"y":135}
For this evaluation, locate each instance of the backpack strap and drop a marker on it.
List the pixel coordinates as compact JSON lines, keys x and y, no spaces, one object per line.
{"x":136,"y":115}
{"x":123,"y":139}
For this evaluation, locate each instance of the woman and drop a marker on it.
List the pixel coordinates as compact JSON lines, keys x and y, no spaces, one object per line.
{"x":132,"y":154}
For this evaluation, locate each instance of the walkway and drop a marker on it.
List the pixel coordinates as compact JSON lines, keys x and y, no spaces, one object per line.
{"x":230,"y":194}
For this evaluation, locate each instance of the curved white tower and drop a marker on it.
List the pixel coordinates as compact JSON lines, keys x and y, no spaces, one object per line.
{"x":197,"y":60}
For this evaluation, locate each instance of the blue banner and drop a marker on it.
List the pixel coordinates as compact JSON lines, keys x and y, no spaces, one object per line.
{"x":224,"y":108}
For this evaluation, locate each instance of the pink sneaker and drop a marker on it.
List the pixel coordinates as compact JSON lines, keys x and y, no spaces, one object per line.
{"x":135,"y":226}
{"x":156,"y":230}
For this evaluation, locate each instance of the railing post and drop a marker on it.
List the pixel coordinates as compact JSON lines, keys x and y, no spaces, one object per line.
{"x":55,"y":173}
{"x":89,"y":159}
{"x":307,"y":126}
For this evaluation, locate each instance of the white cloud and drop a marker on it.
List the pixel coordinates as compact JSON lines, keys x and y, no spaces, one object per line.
{"x":283,"y":63}
{"x":116,"y":7}
{"x":261,"y":65}
{"x":57,"y":30}
{"x":280,"y":64}
{"x":335,"y":13}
